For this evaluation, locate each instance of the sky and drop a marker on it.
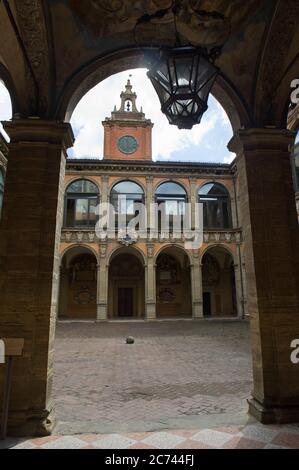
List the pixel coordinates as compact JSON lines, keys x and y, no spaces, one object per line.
{"x":206,"y":142}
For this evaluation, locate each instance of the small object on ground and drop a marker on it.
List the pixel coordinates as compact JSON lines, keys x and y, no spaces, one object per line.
{"x":130,"y":340}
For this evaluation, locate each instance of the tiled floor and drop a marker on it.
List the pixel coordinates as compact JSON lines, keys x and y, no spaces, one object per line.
{"x":251,"y":436}
{"x":177,"y":375}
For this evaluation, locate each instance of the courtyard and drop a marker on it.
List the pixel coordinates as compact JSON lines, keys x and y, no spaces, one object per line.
{"x":177,"y":375}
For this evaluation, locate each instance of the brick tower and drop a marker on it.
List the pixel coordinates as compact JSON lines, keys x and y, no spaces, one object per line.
{"x":127,"y":133}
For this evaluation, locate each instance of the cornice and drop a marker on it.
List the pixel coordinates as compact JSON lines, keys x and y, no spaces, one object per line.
{"x":127,"y":123}
{"x":104,"y":166}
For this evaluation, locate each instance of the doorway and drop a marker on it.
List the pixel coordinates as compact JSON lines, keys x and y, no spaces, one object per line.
{"x":125,"y":302}
{"x":126,"y":285}
{"x":206,"y":304}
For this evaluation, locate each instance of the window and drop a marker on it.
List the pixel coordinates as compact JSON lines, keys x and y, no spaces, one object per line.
{"x":174,"y":198}
{"x":124,"y":197}
{"x":82,"y":198}
{"x":216,"y":206}
{"x":1,"y":190}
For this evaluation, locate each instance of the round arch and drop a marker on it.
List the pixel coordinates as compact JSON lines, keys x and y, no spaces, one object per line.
{"x":175,"y":181}
{"x":78,"y":283}
{"x":135,"y":251}
{"x":126,"y":285}
{"x":218,"y":282}
{"x":221,"y":246}
{"x":104,"y":66}
{"x":76,"y":246}
{"x":173,"y":282}
{"x":201,"y":185}
{"x":84,"y":178}
{"x":6,"y":79}
{"x":176,"y":246}
{"x":124,"y":180}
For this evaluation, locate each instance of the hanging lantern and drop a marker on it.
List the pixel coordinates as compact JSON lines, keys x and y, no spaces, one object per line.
{"x":183,"y":78}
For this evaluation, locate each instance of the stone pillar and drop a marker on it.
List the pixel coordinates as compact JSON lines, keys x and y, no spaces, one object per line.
{"x":29,"y":265}
{"x":239,"y":291}
{"x":271,"y":250}
{"x":193,"y":200}
{"x":149,"y":200}
{"x":63,"y":292}
{"x":150,"y":284}
{"x":102,"y":285}
{"x":196,"y":287}
{"x":105,"y":189}
{"x":234,"y":211}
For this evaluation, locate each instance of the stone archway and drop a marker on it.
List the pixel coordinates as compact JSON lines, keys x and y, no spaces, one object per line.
{"x":105,"y":66}
{"x":126,"y":288}
{"x":173,"y":283}
{"x":218,"y":283}
{"x":78,"y":285}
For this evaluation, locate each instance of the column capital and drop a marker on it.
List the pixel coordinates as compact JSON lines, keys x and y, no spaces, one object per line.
{"x":261,"y":138}
{"x":40,"y":131}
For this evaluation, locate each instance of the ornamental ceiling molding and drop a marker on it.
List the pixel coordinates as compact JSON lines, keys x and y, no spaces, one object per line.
{"x":33,"y":30}
{"x":203,"y":22}
{"x":278,"y":42}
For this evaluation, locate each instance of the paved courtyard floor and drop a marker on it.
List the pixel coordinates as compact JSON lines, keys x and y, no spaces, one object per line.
{"x":182,"y":385}
{"x":177,"y":375}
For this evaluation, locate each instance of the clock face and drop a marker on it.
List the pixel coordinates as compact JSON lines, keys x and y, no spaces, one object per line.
{"x":127,"y":144}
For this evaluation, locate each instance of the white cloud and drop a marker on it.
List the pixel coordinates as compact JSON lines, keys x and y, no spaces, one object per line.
{"x":5,"y":107}
{"x":100,"y":101}
{"x":205,"y":142}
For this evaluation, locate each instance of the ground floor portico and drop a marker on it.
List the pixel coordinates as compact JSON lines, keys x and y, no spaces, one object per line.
{"x":150,"y":281}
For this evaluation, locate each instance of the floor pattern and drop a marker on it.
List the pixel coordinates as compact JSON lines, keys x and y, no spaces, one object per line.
{"x":251,"y":436}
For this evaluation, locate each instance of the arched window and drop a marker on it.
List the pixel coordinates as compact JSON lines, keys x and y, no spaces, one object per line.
{"x":216,"y":206}
{"x":1,"y":190}
{"x":173,"y":196}
{"x":82,"y":198}
{"x":124,"y":198}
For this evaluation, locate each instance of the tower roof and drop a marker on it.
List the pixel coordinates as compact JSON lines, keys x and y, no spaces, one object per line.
{"x":128,"y":109}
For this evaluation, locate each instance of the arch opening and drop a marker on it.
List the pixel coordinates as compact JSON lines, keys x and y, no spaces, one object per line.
{"x":216,"y":202}
{"x":173,"y":289}
{"x":78,"y":285}
{"x":81,"y":200}
{"x":126,"y":285}
{"x":218,"y":283}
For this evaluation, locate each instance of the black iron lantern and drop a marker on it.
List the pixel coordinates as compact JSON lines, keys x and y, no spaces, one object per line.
{"x":183,"y":78}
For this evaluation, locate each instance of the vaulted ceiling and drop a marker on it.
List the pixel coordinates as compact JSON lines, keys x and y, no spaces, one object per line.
{"x":53,"y":51}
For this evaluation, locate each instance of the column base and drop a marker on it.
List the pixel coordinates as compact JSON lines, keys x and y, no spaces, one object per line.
{"x":197,"y":312}
{"x":273,"y":414}
{"x":150,"y":314}
{"x":31,"y":423}
{"x":102,"y":313}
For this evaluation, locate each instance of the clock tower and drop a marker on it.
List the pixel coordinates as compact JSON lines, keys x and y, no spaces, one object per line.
{"x":127,"y":133}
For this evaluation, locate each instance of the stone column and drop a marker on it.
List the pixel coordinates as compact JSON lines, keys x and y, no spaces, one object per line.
{"x":196,"y":287}
{"x":234,"y":211}
{"x":271,"y":250}
{"x":63,"y":292}
{"x":239,"y":290}
{"x":102,"y":285}
{"x":105,"y":189}
{"x":29,"y":265}
{"x":193,"y":200}
{"x":150,"y":284}
{"x":149,"y":200}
